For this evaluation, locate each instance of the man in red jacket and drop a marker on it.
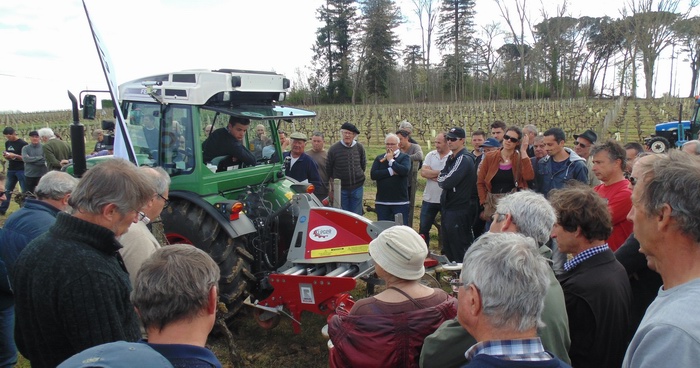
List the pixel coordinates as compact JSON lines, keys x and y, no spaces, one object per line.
{"x":609,"y":162}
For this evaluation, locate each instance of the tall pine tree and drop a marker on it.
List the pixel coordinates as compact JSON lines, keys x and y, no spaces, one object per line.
{"x":380,"y":18}
{"x":455,"y":30}
{"x":332,"y":54}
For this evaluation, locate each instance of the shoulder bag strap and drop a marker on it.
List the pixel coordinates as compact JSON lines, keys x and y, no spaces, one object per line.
{"x":419,"y":305}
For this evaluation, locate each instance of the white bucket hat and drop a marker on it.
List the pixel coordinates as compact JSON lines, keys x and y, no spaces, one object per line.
{"x":400,"y":251}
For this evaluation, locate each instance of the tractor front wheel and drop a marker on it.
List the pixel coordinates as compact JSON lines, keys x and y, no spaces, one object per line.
{"x":187,"y":223}
{"x":659,"y":145}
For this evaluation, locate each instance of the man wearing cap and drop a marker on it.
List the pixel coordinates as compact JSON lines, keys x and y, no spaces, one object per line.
{"x":390,"y":171}
{"x":34,"y":162}
{"x":347,"y":162}
{"x":175,"y":295}
{"x":228,"y":142}
{"x":561,"y":164}
{"x":408,"y":127}
{"x":15,"y":168}
{"x":582,"y":146}
{"x":298,"y":165}
{"x":458,"y":182}
{"x":120,"y":354}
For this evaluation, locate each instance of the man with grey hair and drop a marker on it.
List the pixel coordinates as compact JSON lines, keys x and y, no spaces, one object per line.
{"x":692,"y":147}
{"x":27,"y":223}
{"x":139,"y":243}
{"x":55,"y":150}
{"x":530,"y":214}
{"x":666,"y":217}
{"x":37,"y":215}
{"x":72,"y":289}
{"x":531,"y":132}
{"x":175,"y":295}
{"x":501,"y":297}
{"x":390,"y":171}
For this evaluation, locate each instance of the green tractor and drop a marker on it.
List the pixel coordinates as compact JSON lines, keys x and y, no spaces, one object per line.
{"x":277,"y":246}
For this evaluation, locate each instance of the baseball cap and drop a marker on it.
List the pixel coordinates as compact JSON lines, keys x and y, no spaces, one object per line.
{"x":456,"y":133}
{"x":33,"y":133}
{"x":120,"y":354}
{"x":491,"y":142}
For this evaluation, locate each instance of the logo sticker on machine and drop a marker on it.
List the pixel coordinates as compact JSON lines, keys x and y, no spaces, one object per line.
{"x":307,"y":294}
{"x":340,"y":251}
{"x":323,"y":233}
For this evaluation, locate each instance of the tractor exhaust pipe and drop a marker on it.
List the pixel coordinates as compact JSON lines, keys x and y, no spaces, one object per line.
{"x":77,"y":137}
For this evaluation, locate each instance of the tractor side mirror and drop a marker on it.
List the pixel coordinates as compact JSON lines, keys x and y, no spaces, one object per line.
{"x":89,"y":107}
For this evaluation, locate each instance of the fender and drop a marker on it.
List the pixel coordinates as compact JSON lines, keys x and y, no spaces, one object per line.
{"x":234,"y":229}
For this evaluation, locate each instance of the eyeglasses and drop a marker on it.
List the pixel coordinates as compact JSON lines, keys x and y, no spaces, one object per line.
{"x":144,"y":218}
{"x":451,"y":139}
{"x":456,"y":284}
{"x":512,"y":139}
{"x":577,"y":143}
{"x":165,"y":200}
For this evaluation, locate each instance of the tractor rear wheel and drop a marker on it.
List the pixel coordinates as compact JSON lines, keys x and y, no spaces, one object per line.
{"x":659,"y":145}
{"x":187,"y":223}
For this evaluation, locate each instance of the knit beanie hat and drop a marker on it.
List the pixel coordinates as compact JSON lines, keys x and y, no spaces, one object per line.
{"x":400,"y":251}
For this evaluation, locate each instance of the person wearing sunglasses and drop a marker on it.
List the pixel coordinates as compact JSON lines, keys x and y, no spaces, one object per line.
{"x":459,"y":201}
{"x":139,"y":243}
{"x":504,"y":171}
{"x":583,"y":145}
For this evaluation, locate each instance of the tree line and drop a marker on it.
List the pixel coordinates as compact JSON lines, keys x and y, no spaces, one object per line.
{"x":357,"y":57}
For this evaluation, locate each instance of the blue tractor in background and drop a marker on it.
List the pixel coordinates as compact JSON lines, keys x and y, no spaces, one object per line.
{"x":675,"y":133}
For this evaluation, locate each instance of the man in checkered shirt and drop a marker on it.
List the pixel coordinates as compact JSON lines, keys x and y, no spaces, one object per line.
{"x":596,"y":288}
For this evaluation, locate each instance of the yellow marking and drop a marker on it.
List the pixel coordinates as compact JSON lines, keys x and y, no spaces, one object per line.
{"x":342,"y":251}
{"x":289,"y":195}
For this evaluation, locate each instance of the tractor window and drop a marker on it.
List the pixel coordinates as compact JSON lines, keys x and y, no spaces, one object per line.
{"x":166,"y":141}
{"x":260,"y":141}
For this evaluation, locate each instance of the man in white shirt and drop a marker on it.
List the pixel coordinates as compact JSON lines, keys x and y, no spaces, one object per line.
{"x":433,"y":164}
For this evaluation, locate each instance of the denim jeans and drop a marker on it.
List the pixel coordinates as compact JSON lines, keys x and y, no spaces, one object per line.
{"x":428,"y":212}
{"x":13,"y":176}
{"x":387,"y":212}
{"x":8,"y":351}
{"x":351,"y":200}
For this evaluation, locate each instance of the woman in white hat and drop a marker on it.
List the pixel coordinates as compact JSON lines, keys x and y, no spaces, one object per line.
{"x":387,"y":330}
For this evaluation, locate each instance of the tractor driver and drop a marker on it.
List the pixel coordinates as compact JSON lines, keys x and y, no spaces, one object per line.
{"x":228,"y":142}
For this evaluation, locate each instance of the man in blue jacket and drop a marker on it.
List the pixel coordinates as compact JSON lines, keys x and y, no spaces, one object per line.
{"x":299,"y":165}
{"x":390,"y":170}
{"x":21,"y":227}
{"x":561,"y":165}
{"x":458,"y":182}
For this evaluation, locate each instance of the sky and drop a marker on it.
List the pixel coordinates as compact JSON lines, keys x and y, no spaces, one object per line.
{"x":46,"y":47}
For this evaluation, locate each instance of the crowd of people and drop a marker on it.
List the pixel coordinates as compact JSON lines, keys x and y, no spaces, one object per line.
{"x":600,"y":268}
{"x":583,"y":257}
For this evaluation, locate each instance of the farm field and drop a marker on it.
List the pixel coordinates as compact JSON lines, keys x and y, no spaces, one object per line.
{"x":623,"y":119}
